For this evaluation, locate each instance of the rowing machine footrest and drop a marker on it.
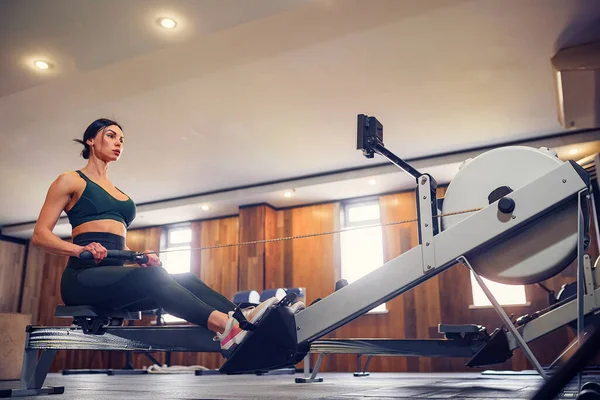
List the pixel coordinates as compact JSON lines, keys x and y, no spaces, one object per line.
{"x":495,"y":351}
{"x":271,"y":345}
{"x":462,"y":332}
{"x":93,"y":320}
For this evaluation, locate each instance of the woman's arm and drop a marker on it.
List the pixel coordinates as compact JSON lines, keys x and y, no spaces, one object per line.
{"x":57,"y":198}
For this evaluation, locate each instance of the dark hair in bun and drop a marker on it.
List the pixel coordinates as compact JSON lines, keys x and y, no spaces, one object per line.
{"x":91,"y":132}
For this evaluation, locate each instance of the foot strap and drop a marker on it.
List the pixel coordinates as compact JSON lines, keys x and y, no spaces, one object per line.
{"x":244,"y":323}
{"x":288,"y":300}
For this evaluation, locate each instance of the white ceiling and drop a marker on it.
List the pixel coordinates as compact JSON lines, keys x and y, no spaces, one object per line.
{"x":249,"y":92}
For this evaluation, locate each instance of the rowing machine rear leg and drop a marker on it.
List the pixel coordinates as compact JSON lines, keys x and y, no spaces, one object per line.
{"x":362,"y":372}
{"x":33,"y":375}
{"x":313,"y":377}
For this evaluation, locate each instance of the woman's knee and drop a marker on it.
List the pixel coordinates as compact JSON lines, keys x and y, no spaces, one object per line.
{"x":185,"y":277}
{"x":153,"y":274}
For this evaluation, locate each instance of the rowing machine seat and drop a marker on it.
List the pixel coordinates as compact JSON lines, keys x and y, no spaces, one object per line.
{"x":94,"y":320}
{"x":92,"y":312}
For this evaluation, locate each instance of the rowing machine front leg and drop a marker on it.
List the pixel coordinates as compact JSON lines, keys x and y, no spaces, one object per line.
{"x":33,"y":375}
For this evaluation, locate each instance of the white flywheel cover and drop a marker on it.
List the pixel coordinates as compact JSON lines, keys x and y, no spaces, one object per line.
{"x":538,"y":252}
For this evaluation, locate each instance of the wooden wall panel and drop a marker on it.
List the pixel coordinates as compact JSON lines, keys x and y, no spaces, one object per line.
{"x":34,"y":272}
{"x":219,"y":267}
{"x":258,"y":263}
{"x":252,"y":257}
{"x":286,"y":229}
{"x":274,"y":251}
{"x":313,"y":258}
{"x":310,"y":262}
{"x":12,"y":256}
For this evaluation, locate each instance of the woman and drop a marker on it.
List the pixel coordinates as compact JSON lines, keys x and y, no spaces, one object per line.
{"x":99,"y":214}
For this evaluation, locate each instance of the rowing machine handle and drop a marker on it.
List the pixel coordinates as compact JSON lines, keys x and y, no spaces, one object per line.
{"x":125,"y":255}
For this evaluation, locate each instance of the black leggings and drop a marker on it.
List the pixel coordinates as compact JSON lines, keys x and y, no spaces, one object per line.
{"x":111,"y":285}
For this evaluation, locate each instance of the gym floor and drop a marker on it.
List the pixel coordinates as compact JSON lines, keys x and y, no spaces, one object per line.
{"x":335,"y":386}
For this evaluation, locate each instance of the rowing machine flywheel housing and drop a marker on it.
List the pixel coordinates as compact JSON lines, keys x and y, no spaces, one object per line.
{"x":544,"y":247}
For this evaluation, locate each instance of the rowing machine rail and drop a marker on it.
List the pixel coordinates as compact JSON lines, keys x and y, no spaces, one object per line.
{"x":474,"y":234}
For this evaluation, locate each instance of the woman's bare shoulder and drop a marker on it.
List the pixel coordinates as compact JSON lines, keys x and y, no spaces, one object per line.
{"x":68,"y":181}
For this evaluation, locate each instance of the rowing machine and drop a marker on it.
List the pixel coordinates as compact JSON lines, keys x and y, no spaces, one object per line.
{"x":537,"y":199}
{"x":529,"y":222}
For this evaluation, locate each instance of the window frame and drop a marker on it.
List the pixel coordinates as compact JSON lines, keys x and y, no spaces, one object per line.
{"x":475,"y":284}
{"x":346,"y":224}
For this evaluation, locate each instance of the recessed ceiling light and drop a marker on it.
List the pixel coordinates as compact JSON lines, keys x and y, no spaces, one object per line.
{"x":573,"y":151}
{"x":167,"y":23}
{"x":205,"y":207}
{"x":372,"y":181}
{"x":288,"y":193}
{"x":41,"y":64}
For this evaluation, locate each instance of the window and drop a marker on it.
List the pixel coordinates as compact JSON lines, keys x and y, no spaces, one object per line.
{"x":361,"y":249}
{"x":504,"y":294}
{"x":177,"y":243}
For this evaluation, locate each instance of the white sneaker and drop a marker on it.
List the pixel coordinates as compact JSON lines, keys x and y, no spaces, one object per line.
{"x":232,"y":335}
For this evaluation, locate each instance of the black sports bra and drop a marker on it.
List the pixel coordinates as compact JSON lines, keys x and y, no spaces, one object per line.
{"x":97,"y":204}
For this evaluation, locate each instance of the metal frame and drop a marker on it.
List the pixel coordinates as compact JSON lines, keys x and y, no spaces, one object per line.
{"x":406,"y":271}
{"x":557,"y":317}
{"x":390,"y":347}
{"x":124,"y":338}
{"x":425,"y":199}
{"x":434,"y":254}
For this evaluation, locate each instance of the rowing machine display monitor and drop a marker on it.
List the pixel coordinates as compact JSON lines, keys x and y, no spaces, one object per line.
{"x":370,"y":132}
{"x":370,"y":141}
